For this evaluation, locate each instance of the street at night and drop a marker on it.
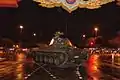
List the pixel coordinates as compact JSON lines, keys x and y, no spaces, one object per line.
{"x":23,"y":69}
{"x":59,"y":39}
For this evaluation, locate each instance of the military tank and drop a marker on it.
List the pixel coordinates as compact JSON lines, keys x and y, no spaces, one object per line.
{"x":60,"y":53}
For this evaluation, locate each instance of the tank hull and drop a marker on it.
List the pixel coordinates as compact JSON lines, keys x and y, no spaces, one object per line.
{"x":61,"y":59}
{"x":60,"y":53}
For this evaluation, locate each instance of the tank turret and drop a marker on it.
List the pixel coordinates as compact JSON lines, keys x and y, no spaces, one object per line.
{"x":60,"y":53}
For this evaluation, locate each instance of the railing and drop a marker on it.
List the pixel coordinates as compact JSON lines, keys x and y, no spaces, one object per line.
{"x":108,"y":57}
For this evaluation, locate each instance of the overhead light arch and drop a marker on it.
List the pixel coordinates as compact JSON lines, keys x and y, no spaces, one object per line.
{"x":71,"y":5}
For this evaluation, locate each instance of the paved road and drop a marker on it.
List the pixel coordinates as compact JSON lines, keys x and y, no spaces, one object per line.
{"x":23,"y":69}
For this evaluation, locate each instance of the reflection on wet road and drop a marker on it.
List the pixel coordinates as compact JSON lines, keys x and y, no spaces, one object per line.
{"x":12,"y":70}
{"x":22,"y":69}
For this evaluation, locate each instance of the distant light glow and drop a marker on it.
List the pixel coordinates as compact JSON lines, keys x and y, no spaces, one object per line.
{"x":91,"y":43}
{"x":96,"y":29}
{"x":25,"y":49}
{"x":1,"y":47}
{"x":34,"y":34}
{"x":84,"y":36}
{"x":11,"y":49}
{"x":21,"y":27}
{"x":51,"y":42}
{"x":17,"y":46}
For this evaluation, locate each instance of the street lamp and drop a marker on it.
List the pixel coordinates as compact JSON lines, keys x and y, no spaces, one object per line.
{"x":21,"y":28}
{"x":34,"y":34}
{"x":96,"y":31}
{"x":35,"y":38}
{"x":84,"y":36}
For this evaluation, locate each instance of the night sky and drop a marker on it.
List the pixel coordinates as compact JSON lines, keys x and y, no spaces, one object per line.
{"x":46,"y":21}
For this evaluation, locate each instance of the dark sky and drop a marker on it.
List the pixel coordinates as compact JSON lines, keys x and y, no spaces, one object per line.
{"x":46,"y":21}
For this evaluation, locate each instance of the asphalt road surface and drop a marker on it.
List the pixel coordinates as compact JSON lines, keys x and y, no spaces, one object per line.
{"x":25,"y":69}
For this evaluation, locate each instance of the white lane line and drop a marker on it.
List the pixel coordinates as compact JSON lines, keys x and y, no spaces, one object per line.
{"x":32,"y":73}
{"x":26,"y":77}
{"x":50,"y":74}
{"x":78,"y":73}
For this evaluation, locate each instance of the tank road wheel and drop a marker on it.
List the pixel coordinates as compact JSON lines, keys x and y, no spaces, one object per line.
{"x":37,"y":58}
{"x":56,"y":61}
{"x":51,"y":60}
{"x":46,"y":59}
{"x":62,"y":58}
{"x":41,"y":58}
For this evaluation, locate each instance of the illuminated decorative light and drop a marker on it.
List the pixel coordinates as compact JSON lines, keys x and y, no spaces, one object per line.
{"x":71,"y":5}
{"x":9,"y":3}
{"x":51,"y":42}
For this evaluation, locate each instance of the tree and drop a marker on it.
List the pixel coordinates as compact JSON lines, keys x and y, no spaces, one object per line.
{"x":116,"y":40}
{"x":6,"y":42}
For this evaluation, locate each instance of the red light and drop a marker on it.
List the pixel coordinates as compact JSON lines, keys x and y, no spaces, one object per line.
{"x":91,"y":43}
{"x":8,"y":3}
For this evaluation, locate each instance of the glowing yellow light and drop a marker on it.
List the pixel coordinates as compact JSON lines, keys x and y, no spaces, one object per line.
{"x":13,"y":45}
{"x":17,"y":46}
{"x":96,"y":29}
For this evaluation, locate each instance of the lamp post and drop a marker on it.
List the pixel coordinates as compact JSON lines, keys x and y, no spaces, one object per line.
{"x":21,"y":29}
{"x":83,"y":40}
{"x":96,"y":31}
{"x":83,"y":36}
{"x":34,"y":34}
{"x":35,"y":38}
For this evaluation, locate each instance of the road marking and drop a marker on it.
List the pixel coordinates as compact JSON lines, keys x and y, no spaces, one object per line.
{"x":50,"y":74}
{"x":78,"y":73}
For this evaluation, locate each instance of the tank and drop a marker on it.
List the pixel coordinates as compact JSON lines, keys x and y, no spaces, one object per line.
{"x":60,"y":53}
